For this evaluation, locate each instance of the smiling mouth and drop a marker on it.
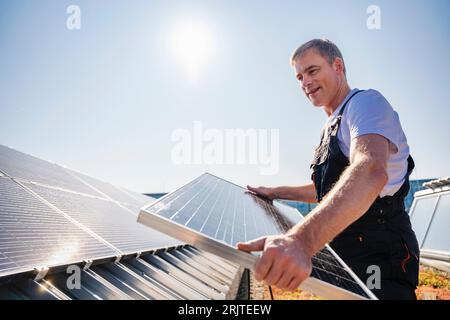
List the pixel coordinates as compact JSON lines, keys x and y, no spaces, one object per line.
{"x":313,"y":91}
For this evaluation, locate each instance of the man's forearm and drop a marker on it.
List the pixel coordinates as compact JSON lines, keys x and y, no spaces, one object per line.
{"x":304,"y":193}
{"x":351,"y":197}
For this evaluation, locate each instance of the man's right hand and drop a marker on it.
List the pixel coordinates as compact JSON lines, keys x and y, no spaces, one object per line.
{"x":268,"y":193}
{"x":284,"y":262}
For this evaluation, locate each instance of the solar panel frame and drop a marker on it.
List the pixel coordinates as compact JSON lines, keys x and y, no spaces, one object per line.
{"x":247,"y":260}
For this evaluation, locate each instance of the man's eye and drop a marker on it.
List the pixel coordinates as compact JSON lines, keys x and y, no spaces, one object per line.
{"x":314,"y":71}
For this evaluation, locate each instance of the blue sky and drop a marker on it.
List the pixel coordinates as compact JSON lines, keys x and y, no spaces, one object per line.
{"x":105,"y":99}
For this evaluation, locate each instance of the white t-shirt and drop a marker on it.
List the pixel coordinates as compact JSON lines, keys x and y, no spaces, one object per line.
{"x":368,"y":112}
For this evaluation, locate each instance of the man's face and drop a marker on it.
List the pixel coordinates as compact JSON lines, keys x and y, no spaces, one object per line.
{"x":319,"y":80}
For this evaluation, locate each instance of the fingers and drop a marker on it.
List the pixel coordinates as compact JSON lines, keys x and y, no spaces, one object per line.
{"x":281,"y":263}
{"x":285,"y":279}
{"x":274,"y":275}
{"x":252,"y":245}
{"x":281,"y":267}
{"x":281,"y":270}
{"x":297,"y":277}
{"x":263,"y":264}
{"x":252,"y":189}
{"x":263,"y":267}
{"x":294,"y":283}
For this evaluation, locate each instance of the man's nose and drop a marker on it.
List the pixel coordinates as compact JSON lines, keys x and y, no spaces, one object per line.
{"x":306,"y":83}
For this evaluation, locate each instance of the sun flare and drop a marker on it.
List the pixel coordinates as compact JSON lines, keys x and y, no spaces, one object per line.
{"x":192,"y":45}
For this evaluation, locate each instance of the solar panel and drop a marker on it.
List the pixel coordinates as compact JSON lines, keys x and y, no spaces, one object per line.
{"x":52,"y":216}
{"x":437,"y":237}
{"x":33,"y":234}
{"x":421,"y":215}
{"x":140,"y":198}
{"x":19,"y":165}
{"x":109,"y":191}
{"x":214,"y":214}
{"x":110,"y":221}
{"x":134,"y":209}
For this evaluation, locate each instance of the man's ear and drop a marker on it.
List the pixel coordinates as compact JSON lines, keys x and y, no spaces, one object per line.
{"x":338,"y":65}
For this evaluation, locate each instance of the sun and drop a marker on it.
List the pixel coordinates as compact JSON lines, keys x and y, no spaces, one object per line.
{"x":192,"y":45}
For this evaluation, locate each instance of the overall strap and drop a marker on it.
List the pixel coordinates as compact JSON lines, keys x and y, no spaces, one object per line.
{"x":346,"y":102}
{"x":336,"y":122}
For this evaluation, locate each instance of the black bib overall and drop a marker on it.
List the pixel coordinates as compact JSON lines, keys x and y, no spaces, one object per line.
{"x":382,"y":237}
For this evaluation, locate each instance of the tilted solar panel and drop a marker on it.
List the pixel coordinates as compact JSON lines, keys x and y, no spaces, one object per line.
{"x":110,"y":221}
{"x":140,"y":198}
{"x":108,"y":190}
{"x":50,"y":216}
{"x":32,"y":234}
{"x":437,"y":237}
{"x":132,"y":208}
{"x":214,"y":214}
{"x":20,"y":165}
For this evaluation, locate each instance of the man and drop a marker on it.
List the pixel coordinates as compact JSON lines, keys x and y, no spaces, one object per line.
{"x":360,"y":176}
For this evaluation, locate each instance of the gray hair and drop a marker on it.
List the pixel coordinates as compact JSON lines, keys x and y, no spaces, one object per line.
{"x":324,"y":47}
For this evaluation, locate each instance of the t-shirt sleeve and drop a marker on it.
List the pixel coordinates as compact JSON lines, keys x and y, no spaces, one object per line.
{"x":371,"y":113}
